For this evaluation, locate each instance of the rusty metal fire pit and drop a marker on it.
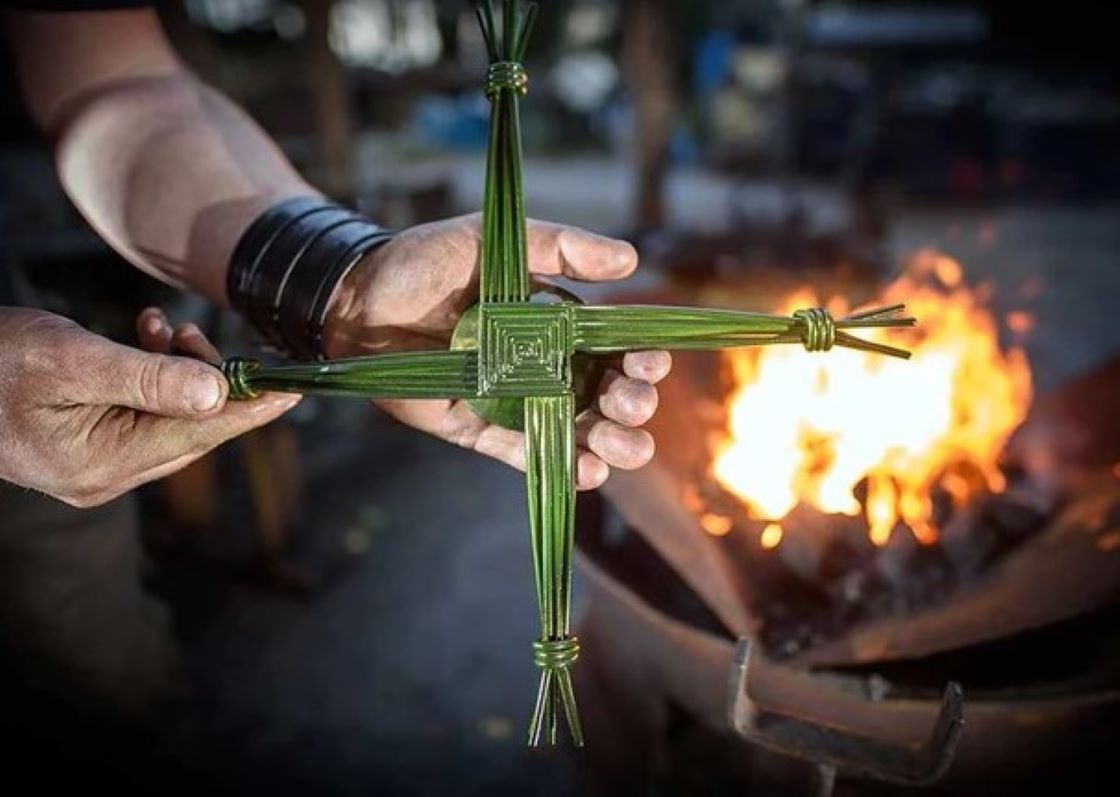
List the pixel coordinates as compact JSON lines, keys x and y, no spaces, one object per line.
{"x":1029,"y":640}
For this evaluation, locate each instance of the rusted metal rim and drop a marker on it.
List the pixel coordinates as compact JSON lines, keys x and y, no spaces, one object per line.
{"x":838,"y":729}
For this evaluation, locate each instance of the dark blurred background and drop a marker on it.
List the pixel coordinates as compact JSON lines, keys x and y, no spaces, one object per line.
{"x":354,"y":599}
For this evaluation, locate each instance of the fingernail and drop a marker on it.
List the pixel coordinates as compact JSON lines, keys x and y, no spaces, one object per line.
{"x":618,"y":254}
{"x":152,"y":324}
{"x":204,"y":393}
{"x":625,"y":255}
{"x":591,"y":252}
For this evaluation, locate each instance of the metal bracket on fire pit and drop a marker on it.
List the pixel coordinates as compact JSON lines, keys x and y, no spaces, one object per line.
{"x":798,"y":714}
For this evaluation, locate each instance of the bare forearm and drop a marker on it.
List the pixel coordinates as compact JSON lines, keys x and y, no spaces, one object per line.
{"x":167,"y":170}
{"x":171,"y":173}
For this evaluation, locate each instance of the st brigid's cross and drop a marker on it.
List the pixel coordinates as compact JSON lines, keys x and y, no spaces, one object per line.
{"x":511,"y":358}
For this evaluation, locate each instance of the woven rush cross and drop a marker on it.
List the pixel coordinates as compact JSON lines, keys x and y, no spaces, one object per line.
{"x":512,"y":358}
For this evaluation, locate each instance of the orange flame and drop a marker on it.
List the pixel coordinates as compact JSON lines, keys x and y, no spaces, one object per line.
{"x":808,"y":431}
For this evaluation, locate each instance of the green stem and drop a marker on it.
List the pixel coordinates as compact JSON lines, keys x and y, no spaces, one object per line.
{"x":426,"y":374}
{"x":550,"y":459}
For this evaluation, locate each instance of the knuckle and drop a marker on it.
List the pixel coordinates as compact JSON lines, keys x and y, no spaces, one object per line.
{"x":462,"y":435}
{"x":149,"y":374}
{"x":42,"y":352}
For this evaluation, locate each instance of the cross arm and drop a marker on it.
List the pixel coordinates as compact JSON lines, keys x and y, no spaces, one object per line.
{"x":421,"y":374}
{"x":503,"y":264}
{"x":550,"y":472}
{"x":618,"y":328}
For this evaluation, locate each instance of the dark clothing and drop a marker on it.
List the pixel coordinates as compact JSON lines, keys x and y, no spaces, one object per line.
{"x":74,"y":615}
{"x":90,"y":672}
{"x":90,"y":675}
{"x":77,"y":629}
{"x":72,"y":5}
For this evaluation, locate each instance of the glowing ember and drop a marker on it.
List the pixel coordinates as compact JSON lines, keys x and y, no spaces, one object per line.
{"x":771,"y":536}
{"x":1019,"y":322}
{"x":716,"y":525}
{"x":808,"y":432}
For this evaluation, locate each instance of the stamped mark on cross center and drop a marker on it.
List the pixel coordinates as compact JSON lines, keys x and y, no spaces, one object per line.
{"x":526,"y":350}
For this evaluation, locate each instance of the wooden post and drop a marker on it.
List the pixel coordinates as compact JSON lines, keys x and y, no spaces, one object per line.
{"x":330,"y":86}
{"x":648,"y":63}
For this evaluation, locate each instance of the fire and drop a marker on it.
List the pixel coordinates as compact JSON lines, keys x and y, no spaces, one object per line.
{"x":809,"y":431}
{"x":771,"y":535}
{"x":716,"y":525}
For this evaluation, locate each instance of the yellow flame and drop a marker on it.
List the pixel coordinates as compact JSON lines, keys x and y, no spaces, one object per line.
{"x":807,"y":428}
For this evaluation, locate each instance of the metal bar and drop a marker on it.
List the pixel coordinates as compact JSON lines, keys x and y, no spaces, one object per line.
{"x":794,"y":713}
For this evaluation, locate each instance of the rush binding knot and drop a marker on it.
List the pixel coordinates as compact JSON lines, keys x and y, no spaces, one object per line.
{"x":556,"y":654}
{"x":236,"y":370}
{"x":818,"y":332}
{"x":506,"y":75}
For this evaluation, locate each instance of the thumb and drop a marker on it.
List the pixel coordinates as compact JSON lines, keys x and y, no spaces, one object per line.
{"x":176,"y":387}
{"x":557,"y":250}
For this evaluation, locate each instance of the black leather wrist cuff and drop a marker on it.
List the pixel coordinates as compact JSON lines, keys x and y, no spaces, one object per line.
{"x":288,"y":265}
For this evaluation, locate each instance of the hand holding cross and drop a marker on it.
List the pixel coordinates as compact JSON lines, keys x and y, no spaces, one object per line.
{"x":511,"y":351}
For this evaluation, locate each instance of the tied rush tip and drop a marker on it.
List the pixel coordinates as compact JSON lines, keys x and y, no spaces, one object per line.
{"x":820,"y":332}
{"x":238,"y":373}
{"x":556,"y":696}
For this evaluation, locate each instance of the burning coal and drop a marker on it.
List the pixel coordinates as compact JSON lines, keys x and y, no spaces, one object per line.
{"x":812,"y":432}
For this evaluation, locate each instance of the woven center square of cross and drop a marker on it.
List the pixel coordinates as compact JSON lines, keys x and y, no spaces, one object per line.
{"x":525,"y":350}
{"x":512,"y":359}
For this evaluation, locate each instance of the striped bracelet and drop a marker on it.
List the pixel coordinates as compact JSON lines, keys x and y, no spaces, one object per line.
{"x":288,"y":266}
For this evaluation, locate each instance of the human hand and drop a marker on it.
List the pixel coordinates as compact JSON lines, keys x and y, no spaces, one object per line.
{"x":85,"y":420}
{"x":410,"y":293}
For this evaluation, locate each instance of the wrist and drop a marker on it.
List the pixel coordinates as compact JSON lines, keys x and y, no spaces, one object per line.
{"x":348,"y":307}
{"x":290,"y":266}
